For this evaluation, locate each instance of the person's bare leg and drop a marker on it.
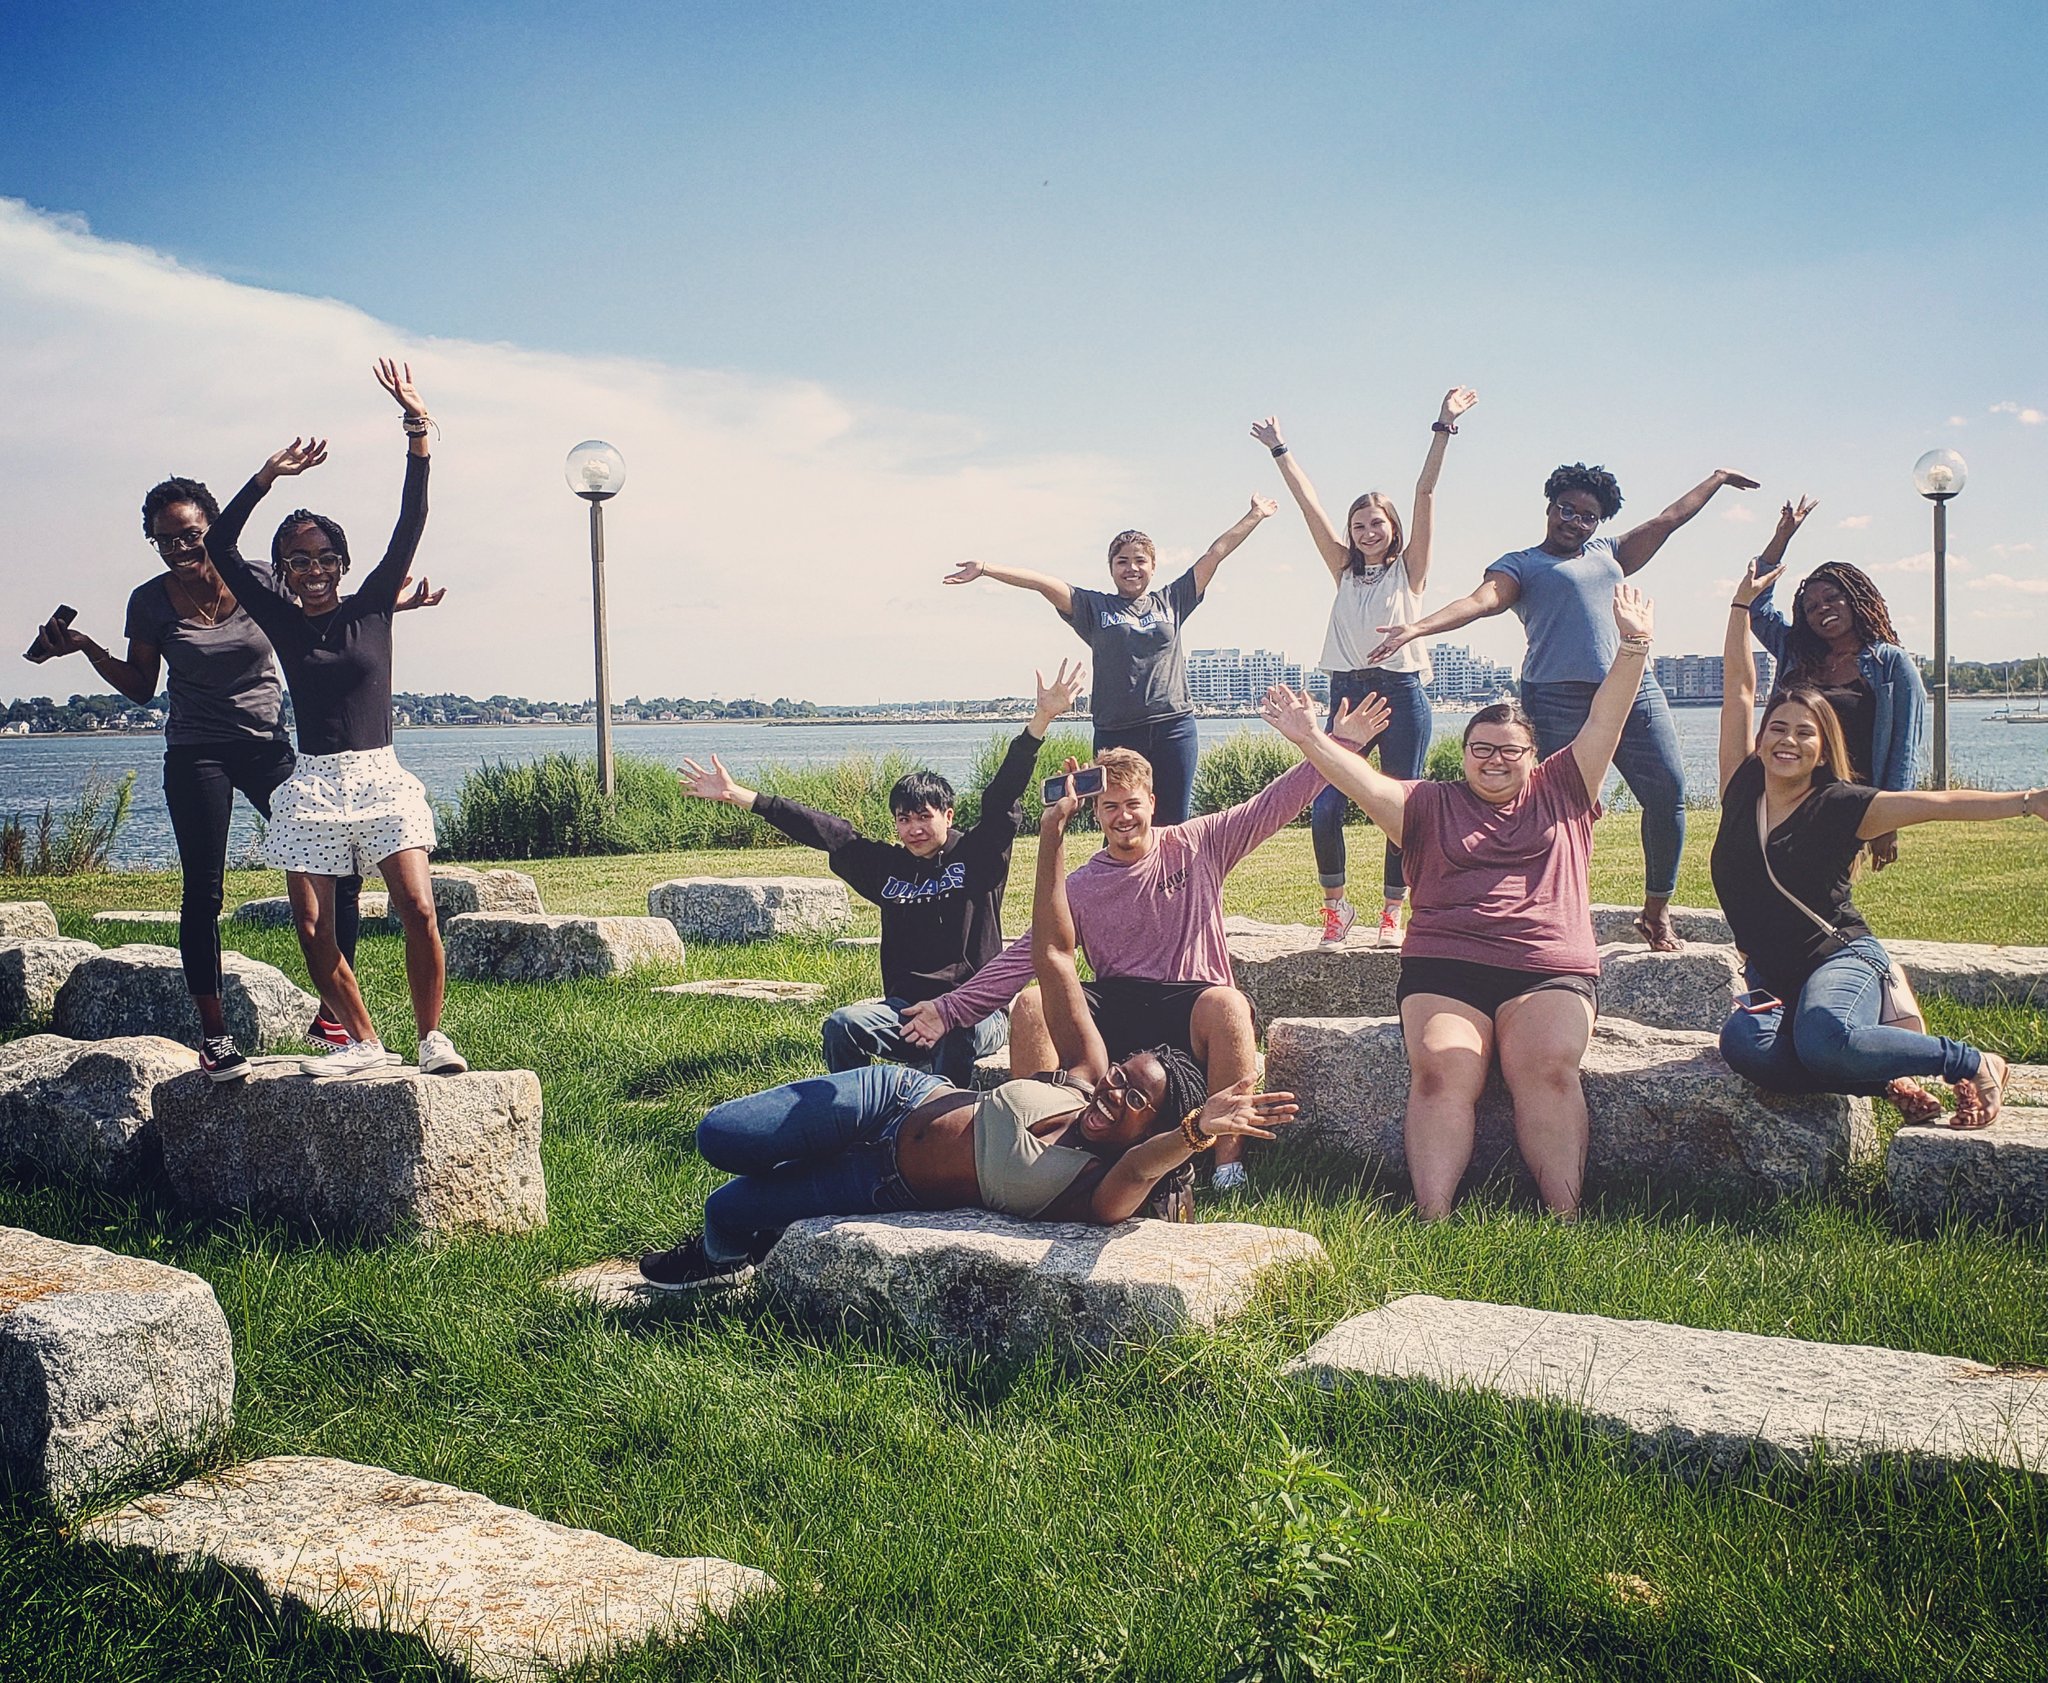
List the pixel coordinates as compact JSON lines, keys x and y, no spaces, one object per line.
{"x":1449,"y":1047}
{"x":213,"y":1019}
{"x":411,"y":884}
{"x":313,"y":911}
{"x":1227,"y":1047}
{"x":1542,"y":1038}
{"x":1031,"y":1048}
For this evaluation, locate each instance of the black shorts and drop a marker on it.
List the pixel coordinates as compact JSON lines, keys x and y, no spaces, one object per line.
{"x":1487,"y":987}
{"x":1134,"y":1014}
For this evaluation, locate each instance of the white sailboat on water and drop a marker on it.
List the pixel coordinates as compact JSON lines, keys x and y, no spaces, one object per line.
{"x":2036,"y":714}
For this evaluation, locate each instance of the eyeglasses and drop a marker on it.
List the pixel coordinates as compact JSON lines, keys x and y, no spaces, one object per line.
{"x":1117,"y":1085}
{"x":182,"y":541}
{"x":1508,"y":753}
{"x":1575,"y":517}
{"x":326,"y":561}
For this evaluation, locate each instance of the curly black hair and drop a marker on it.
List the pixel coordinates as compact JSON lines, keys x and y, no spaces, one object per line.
{"x":1596,"y":482}
{"x":167,"y":493}
{"x":306,"y":517}
{"x":1804,"y":651}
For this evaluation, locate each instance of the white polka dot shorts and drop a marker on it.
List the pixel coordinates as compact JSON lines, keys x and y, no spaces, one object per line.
{"x":342,"y":815}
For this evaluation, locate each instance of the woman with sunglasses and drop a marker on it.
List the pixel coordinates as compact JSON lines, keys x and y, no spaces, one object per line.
{"x":1500,"y":957}
{"x":1089,"y":1144}
{"x":1560,"y":591}
{"x":348,"y":804}
{"x":225,"y":733}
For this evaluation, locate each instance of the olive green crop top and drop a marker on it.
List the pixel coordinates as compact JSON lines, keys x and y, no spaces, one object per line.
{"x":1019,"y":1173}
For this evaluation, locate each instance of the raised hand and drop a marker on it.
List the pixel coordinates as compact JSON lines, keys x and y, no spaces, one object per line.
{"x":294,"y":459}
{"x":1360,"y":726}
{"x":1065,"y":689}
{"x":1456,"y":401}
{"x":1755,"y":580}
{"x":396,"y":378}
{"x":421,"y":596}
{"x":712,"y":784}
{"x":1791,"y":518}
{"x":966,"y":573}
{"x":1735,"y":481}
{"x":1263,"y":508}
{"x":1238,"y":1110}
{"x":1393,"y":639}
{"x":1060,"y":813}
{"x":1634,"y":614}
{"x":1291,"y":713}
{"x":1267,"y":432}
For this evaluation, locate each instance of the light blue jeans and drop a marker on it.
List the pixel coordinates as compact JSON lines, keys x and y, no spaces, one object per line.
{"x":856,"y":1035}
{"x":1835,"y":1043}
{"x":1647,"y":758}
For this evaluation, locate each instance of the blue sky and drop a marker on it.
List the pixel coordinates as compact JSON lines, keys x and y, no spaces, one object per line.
{"x":1016,"y":243}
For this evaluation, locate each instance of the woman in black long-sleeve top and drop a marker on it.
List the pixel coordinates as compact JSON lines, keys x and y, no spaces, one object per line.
{"x":349,"y":804}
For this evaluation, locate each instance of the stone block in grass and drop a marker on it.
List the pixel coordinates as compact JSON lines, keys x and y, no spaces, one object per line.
{"x":492,"y":1588}
{"x":536,"y":947}
{"x":1667,"y":1115}
{"x":1971,"y":974}
{"x":458,"y":889}
{"x":108,"y":1365}
{"x":275,"y":912}
{"x":1286,"y":971}
{"x":1996,"y":1175}
{"x":154,"y":918}
{"x":764,"y":990}
{"x":396,"y":1151}
{"x":1691,"y":923}
{"x":141,"y":990}
{"x":1691,"y":989}
{"x":972,"y":1284}
{"x":85,"y":1107}
{"x":27,"y":920}
{"x":1713,"y":1402}
{"x":31,"y":972}
{"x":734,"y":909}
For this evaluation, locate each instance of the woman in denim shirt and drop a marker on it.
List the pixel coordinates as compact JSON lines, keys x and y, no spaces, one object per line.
{"x":1839,"y":640}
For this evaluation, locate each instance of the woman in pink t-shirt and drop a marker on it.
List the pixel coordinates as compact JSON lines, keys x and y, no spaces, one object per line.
{"x":1500,"y":954}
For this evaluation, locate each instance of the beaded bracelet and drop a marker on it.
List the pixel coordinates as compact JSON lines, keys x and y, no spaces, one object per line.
{"x":1191,"y":1131}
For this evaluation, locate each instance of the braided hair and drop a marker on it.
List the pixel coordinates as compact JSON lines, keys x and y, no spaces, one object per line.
{"x":168,"y":493}
{"x":1187,"y":1088}
{"x":1596,"y":482}
{"x":331,"y":529}
{"x":1867,"y":612}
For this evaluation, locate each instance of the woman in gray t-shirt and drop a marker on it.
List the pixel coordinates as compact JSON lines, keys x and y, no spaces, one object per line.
{"x":225,"y":732}
{"x":1140,"y":699}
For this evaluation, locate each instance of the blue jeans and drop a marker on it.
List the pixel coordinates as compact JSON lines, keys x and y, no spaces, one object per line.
{"x":1171,"y":748}
{"x":1836,"y":1043}
{"x":1404,"y":751}
{"x":823,"y":1146}
{"x":856,"y":1035}
{"x":1647,"y":759}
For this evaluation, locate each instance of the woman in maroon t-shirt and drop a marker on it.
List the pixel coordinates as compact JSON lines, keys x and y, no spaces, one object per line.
{"x":1500,"y":954}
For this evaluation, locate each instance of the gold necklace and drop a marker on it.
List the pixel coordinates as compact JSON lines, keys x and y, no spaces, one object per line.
{"x":208,"y":615}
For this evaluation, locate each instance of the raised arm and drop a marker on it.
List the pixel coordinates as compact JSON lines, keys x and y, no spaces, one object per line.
{"x":1060,"y":595}
{"x":1054,"y":942}
{"x":1496,"y":594}
{"x":999,"y":808}
{"x":1330,"y":543}
{"x":1635,"y":546}
{"x":1891,"y":810}
{"x":254,"y":586}
{"x":1337,"y":757}
{"x":1422,"y":524}
{"x":1262,"y":509}
{"x":388,"y":576}
{"x":1738,"y":671}
{"x":1594,"y":746}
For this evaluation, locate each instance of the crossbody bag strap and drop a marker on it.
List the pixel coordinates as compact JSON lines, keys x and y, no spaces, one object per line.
{"x":1763,"y":847}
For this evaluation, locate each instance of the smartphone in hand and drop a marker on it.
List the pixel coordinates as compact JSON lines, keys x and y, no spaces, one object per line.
{"x":1087,"y":781}
{"x":40,"y":651}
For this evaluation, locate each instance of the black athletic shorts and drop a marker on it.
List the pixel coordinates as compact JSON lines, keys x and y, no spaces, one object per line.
{"x":1134,"y":1014}
{"x":1487,"y":987}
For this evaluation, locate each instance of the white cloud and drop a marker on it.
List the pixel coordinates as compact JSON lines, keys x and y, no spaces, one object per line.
{"x":1741,"y":513}
{"x":2006,"y":550}
{"x":773,"y":537}
{"x":1957,"y":421}
{"x":1921,"y":563}
{"x":1852,"y":522}
{"x":2027,"y":417}
{"x":2005,"y":581}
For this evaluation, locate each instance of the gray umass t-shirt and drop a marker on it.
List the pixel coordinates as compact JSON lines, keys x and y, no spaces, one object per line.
{"x":223,"y":681}
{"x":1141,"y":670}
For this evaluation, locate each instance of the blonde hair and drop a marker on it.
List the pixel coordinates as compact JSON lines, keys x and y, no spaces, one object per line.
{"x":1124,"y":768}
{"x":1385,"y":504}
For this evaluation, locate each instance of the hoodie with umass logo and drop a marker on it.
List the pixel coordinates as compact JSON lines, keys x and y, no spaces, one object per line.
{"x":942,"y":918}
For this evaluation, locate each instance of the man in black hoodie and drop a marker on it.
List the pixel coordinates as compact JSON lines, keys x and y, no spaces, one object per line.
{"x":940,"y":890}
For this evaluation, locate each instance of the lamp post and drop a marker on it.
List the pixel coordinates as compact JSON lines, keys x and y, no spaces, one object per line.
{"x":1938,"y":476}
{"x":595,"y":472}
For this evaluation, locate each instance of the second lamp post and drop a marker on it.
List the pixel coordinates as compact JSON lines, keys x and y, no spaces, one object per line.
{"x":1938,"y":476}
{"x":595,"y":472}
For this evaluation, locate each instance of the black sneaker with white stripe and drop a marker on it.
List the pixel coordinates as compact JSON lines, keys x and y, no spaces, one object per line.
{"x":222,"y":1059}
{"x":687,"y":1267}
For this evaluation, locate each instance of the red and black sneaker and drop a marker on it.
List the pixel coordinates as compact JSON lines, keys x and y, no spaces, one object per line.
{"x":324,"y":1034}
{"x":222,"y":1059}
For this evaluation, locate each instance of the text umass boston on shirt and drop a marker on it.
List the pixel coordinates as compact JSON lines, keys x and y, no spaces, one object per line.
{"x":942,"y":918}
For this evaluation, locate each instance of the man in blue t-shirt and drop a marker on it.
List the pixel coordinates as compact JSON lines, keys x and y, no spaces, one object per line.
{"x":1562,"y":590}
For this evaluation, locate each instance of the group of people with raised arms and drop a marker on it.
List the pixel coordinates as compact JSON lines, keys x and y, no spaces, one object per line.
{"x":1122,"y":1081}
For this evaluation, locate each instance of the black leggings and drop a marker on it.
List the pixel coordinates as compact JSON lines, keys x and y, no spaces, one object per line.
{"x":200,"y":780}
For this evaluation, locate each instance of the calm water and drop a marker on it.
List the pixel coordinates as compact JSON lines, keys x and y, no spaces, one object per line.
{"x":38,"y":769}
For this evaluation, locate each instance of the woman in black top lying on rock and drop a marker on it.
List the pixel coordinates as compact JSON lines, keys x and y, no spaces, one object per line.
{"x":349,"y":804}
{"x":1812,"y":1021}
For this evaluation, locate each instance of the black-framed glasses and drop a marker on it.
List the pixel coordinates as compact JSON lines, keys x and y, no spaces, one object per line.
{"x":327,"y":561}
{"x":1508,"y":753}
{"x":1575,"y":517}
{"x":179,"y":542}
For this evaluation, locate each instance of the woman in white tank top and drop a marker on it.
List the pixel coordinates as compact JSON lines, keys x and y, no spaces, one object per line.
{"x":1380,"y":576}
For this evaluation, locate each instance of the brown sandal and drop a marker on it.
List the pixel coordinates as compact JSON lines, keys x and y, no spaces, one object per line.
{"x":1661,"y":936}
{"x":1986,"y":1092}
{"x":1914,"y":1103}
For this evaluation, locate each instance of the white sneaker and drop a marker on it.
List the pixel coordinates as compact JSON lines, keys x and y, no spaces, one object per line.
{"x":438,"y":1055}
{"x":1390,"y":934}
{"x":1338,"y":917}
{"x":358,"y":1057}
{"x":1229,"y":1177}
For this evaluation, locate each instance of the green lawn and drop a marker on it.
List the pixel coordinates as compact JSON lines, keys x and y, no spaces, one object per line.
{"x":934,"y":1523}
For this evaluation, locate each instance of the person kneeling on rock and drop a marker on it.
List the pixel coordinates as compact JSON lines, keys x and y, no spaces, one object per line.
{"x":1089,"y":1143}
